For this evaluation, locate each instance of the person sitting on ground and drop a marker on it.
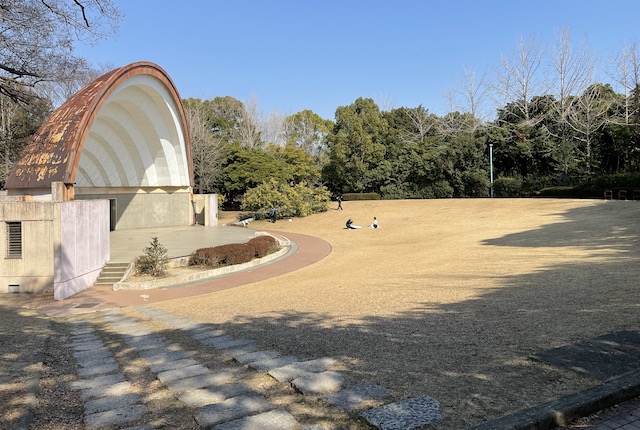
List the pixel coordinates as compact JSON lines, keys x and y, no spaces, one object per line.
{"x":375,"y":223}
{"x":351,"y":226}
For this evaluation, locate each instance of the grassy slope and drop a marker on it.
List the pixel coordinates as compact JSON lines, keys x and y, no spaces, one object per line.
{"x":449,"y":297}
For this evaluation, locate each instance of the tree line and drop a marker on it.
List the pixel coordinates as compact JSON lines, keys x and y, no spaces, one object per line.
{"x":550,"y":115}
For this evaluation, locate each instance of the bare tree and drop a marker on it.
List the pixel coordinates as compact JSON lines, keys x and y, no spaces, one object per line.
{"x":588,"y":115}
{"x":386,"y":102}
{"x":272,"y":128}
{"x":36,"y":40}
{"x":207,"y":150}
{"x":60,"y":91}
{"x":249,"y":126}
{"x":572,"y":73}
{"x":626,"y":74}
{"x":423,"y":124}
{"x":519,"y":79}
{"x":8,"y":111}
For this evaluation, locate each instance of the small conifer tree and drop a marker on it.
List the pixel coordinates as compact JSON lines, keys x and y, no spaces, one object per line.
{"x":154,"y":261}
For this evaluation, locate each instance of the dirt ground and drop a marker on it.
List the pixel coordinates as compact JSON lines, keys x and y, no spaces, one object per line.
{"x":448,"y":298}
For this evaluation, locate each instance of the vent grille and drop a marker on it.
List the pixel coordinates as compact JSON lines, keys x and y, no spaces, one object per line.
{"x":14,"y":239}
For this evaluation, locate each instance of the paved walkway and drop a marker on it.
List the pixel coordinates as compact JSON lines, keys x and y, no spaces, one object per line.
{"x":212,"y":392}
{"x":179,"y":242}
{"x":625,"y":416}
{"x":219,"y":397}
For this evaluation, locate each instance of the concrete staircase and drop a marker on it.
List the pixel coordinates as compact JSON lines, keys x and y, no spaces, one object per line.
{"x":111,"y":273}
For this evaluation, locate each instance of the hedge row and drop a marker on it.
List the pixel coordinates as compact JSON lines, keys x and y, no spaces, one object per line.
{"x":360,"y":196}
{"x":234,"y":253}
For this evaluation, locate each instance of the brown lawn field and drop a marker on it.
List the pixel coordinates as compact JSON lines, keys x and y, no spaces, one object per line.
{"x":448,"y":298}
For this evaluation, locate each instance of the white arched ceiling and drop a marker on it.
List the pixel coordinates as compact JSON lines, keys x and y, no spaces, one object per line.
{"x":136,"y":139}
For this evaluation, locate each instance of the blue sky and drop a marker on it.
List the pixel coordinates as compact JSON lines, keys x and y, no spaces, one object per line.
{"x":319,"y":55}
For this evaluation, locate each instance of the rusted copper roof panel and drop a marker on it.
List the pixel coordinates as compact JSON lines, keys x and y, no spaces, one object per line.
{"x":54,"y":152}
{"x":46,"y":158}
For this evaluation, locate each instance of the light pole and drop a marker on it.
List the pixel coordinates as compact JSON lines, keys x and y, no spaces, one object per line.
{"x":491,"y":169}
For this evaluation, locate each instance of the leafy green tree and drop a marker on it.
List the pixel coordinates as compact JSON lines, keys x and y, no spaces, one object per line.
{"x":296,"y":200}
{"x":415,"y":155}
{"x":356,"y":148}
{"x":308,"y":131}
{"x":301,"y":165}
{"x":248,"y":167}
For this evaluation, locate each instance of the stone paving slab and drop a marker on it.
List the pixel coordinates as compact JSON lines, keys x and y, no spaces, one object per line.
{"x":86,"y":346}
{"x":216,"y":340}
{"x":88,"y":337}
{"x":141,"y":427}
{"x":278,"y":419}
{"x":209,"y":395}
{"x":208,"y":380}
{"x":185,"y":362}
{"x":179,"y":322}
{"x":294,"y":370}
{"x":201,"y":335}
{"x":407,"y":414}
{"x":133,"y":329}
{"x":102,"y":369}
{"x":233,"y":343}
{"x":182,"y":373}
{"x":268,"y":364}
{"x":319,"y":383}
{"x":240,"y":350}
{"x":149,"y":342}
{"x":115,"y":416}
{"x":98,"y":381}
{"x":106,"y":403}
{"x":99,"y":362}
{"x":81,"y":331}
{"x":231,"y":409}
{"x":603,"y":357}
{"x":256,"y":356}
{"x":356,"y":396}
{"x":161,"y":356}
{"x":113,"y":390}
{"x":93,"y":354}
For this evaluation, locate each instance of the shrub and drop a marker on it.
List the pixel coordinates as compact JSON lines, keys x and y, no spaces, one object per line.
{"x":559,"y":192}
{"x":507,"y":186}
{"x":154,"y":261}
{"x":264,"y":245}
{"x":205,"y":257}
{"x":222,"y":255}
{"x":290,"y":200}
{"x":360,"y":196}
{"x":236,"y":253}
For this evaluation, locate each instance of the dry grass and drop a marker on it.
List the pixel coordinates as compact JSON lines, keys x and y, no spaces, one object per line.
{"x":449,"y":297}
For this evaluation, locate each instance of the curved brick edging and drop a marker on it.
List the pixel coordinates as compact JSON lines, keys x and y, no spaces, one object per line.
{"x":198,"y":275}
{"x":306,"y":250}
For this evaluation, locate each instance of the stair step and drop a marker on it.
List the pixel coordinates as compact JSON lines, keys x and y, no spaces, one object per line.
{"x":111,"y":273}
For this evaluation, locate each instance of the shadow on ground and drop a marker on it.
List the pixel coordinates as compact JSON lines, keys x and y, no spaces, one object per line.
{"x":473,"y":356}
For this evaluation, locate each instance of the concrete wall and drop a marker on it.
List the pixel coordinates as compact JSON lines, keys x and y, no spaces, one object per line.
{"x":206,"y":209}
{"x":34,"y":271}
{"x":64,"y":246}
{"x":82,"y":246}
{"x":146,"y":207}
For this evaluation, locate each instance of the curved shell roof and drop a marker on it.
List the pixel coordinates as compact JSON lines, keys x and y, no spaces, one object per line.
{"x":125,"y":129}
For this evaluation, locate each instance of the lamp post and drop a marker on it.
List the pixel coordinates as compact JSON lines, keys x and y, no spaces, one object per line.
{"x":491,"y":169}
